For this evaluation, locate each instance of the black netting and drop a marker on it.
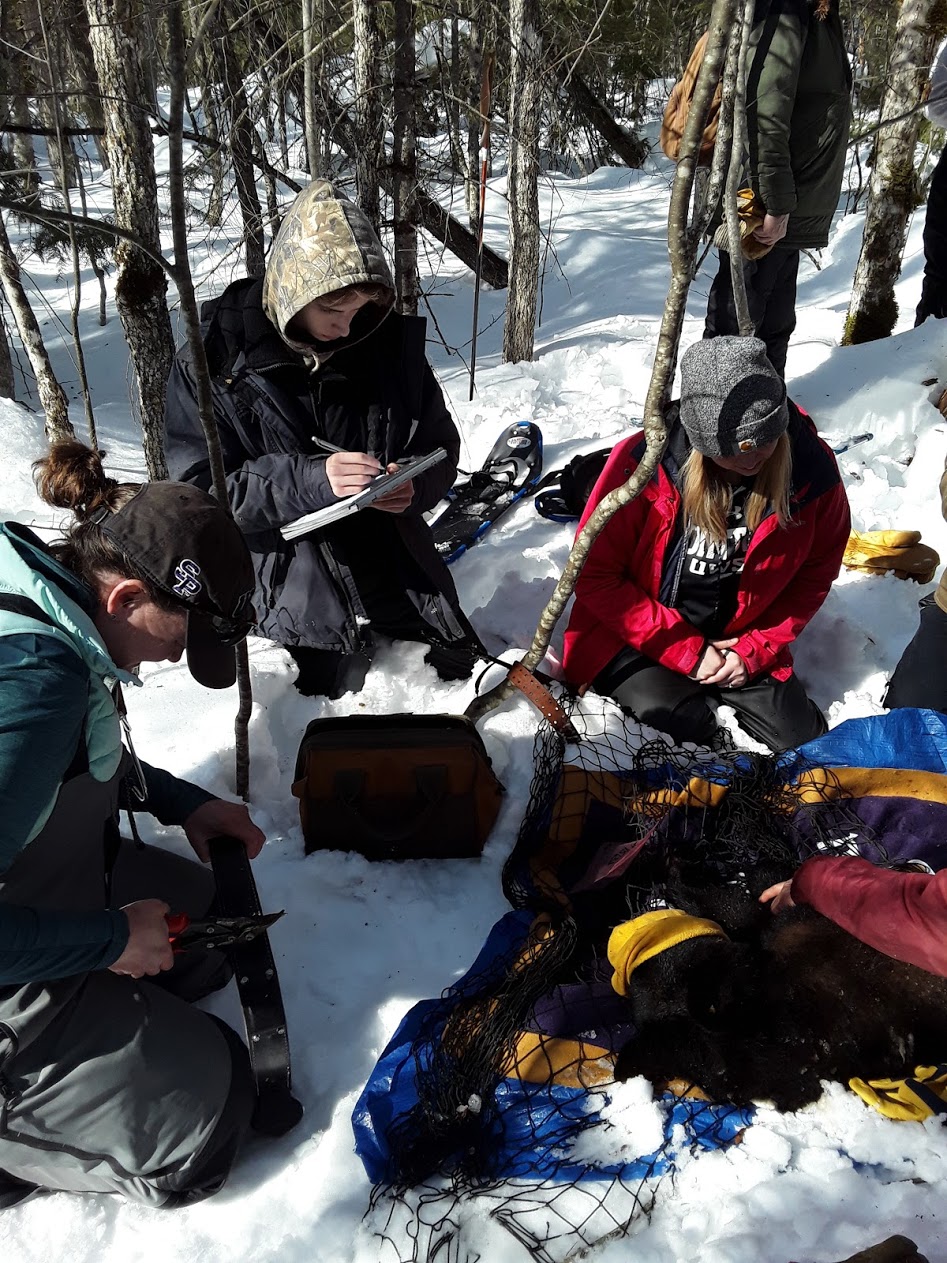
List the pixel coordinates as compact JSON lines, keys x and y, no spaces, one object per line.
{"x":613,"y":824}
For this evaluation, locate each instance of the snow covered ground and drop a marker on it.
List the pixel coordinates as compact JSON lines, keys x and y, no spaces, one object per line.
{"x":362,"y":942}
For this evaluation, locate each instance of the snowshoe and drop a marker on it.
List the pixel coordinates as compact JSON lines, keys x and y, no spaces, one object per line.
{"x":510,"y":472}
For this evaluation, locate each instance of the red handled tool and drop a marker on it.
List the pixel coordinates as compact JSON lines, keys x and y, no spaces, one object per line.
{"x":185,"y":935}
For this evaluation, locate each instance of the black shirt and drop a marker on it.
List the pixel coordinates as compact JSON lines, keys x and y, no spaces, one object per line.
{"x":706,"y":592}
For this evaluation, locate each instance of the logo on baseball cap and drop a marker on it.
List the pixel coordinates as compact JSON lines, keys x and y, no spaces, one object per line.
{"x":186,"y":546}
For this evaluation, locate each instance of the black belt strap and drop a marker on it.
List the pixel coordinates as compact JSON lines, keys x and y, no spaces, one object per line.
{"x":277,"y":1109}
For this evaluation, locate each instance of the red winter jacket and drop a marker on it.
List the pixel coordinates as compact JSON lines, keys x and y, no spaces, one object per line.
{"x":631,"y":569}
{"x":903,"y":915}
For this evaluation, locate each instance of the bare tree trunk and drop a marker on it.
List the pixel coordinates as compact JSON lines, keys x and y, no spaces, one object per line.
{"x":188,"y":301}
{"x":631,"y":149}
{"x":7,"y":380}
{"x":525,"y":100}
{"x":140,"y":287}
{"x":51,"y":394}
{"x":64,"y":148}
{"x":241,"y":151}
{"x":682,"y":245}
{"x":50,"y":86}
{"x":893,"y":191}
{"x":81,"y":51}
{"x":404,"y":164}
{"x":474,"y":121}
{"x":456,"y":84}
{"x":368,"y":120}
{"x":310,"y":123}
{"x":741,"y":303}
{"x":16,"y":79}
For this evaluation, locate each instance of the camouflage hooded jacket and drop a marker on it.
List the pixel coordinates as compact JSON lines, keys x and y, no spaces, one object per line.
{"x":275,"y":398}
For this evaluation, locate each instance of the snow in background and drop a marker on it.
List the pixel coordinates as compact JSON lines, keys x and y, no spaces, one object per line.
{"x":362,"y":942}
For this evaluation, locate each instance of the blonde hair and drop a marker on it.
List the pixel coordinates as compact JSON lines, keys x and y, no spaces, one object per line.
{"x":707,"y":495}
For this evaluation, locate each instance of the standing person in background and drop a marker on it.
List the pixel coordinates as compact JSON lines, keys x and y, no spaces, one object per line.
{"x":318,"y":385}
{"x":920,"y":678}
{"x":934,"y":286}
{"x":798,"y":98}
{"x":108,"y":1083}
{"x":693,"y":592}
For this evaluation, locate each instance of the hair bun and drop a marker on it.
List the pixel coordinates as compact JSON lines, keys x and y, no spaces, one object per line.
{"x":72,"y":477}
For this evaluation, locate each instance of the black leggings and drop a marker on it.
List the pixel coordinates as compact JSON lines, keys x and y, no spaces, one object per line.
{"x":770,"y":296}
{"x":777,"y":713}
{"x":920,"y":678}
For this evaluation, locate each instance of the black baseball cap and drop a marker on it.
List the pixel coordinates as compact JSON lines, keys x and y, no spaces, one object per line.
{"x":185,"y":545}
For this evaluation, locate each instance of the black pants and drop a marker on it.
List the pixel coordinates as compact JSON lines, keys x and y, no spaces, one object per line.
{"x":920,"y":678}
{"x":770,"y":295}
{"x":934,"y":286}
{"x":775,"y":712}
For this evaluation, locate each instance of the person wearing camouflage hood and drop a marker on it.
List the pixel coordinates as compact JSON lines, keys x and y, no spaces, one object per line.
{"x":317,"y":386}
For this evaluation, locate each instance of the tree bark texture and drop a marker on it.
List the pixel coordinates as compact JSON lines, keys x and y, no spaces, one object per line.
{"x":522,"y":192}
{"x":140,"y":286}
{"x":893,"y":191}
{"x":241,"y":153}
{"x":188,"y":300}
{"x":51,"y":395}
{"x":682,"y":247}
{"x":405,"y":158}
{"x":368,"y":119}
{"x":474,"y":121}
{"x":310,"y":122}
{"x":7,"y":380}
{"x":15,"y":79}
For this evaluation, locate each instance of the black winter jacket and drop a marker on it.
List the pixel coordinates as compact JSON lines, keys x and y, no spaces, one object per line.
{"x":379,"y":396}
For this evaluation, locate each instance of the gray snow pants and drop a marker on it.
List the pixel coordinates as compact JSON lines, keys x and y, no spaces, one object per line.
{"x":109,"y":1084}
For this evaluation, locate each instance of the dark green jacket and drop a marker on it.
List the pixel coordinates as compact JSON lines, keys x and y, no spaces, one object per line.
{"x":798,"y":116}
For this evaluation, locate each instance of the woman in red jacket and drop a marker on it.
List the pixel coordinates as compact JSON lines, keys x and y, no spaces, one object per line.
{"x":694,"y":591}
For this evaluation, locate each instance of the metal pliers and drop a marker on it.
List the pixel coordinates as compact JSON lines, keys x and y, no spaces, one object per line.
{"x":185,"y":935}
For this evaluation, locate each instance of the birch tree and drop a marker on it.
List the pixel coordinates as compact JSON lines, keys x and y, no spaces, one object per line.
{"x":140,"y":285}
{"x":51,"y":394}
{"x":893,"y":188}
{"x":522,"y":191}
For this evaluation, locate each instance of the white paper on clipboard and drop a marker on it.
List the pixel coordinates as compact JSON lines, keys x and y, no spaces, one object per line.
{"x":378,"y":487}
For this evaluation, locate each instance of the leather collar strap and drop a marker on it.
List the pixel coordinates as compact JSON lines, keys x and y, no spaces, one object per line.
{"x":543,"y":700}
{"x":277,"y":1110}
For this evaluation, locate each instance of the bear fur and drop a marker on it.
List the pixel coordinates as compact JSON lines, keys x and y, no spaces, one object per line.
{"x":785,"y":1002}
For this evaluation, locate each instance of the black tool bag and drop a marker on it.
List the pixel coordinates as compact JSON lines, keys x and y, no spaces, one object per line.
{"x":396,"y":786}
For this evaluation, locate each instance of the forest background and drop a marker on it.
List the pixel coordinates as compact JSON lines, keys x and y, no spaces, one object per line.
{"x":409,"y":106}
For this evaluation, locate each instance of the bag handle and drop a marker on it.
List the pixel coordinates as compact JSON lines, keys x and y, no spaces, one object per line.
{"x":349,"y":786}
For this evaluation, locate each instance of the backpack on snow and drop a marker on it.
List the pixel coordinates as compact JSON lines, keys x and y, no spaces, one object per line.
{"x":396,"y":786}
{"x":569,"y":488}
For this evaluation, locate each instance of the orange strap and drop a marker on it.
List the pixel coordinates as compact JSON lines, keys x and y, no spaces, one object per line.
{"x":543,"y":700}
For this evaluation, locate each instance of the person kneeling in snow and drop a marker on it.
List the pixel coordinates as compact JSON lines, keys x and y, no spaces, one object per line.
{"x":318,"y":385}
{"x":110,"y":1084}
{"x":695,"y":590}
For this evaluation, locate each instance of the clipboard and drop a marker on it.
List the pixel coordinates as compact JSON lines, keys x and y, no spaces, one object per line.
{"x":363,"y":499}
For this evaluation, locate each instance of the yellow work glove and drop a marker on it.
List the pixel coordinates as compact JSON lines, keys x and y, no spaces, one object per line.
{"x":875,"y":552}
